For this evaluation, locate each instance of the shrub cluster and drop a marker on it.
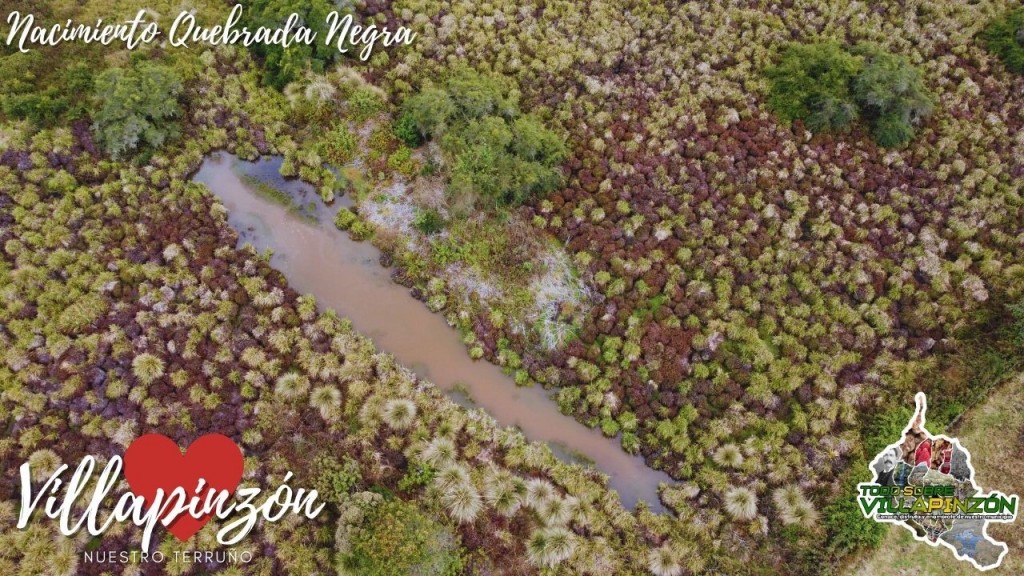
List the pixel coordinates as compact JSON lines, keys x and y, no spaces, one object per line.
{"x":31,"y":88}
{"x":283,"y":65}
{"x":380,"y":536}
{"x":497,"y":155}
{"x":1004,"y":37}
{"x":828,"y":87}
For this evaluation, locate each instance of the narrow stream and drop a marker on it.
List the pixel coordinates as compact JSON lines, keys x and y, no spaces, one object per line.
{"x":346,"y":275}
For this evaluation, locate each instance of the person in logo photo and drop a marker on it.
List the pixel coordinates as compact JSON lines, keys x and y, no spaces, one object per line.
{"x":923,"y":453}
{"x":916,"y":447}
{"x":886,"y":466}
{"x":943,"y":456}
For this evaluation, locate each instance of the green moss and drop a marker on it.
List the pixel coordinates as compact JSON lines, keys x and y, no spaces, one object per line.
{"x":609,"y":427}
{"x":522,"y":378}
{"x":630,"y":443}
{"x":417,"y":476}
{"x":336,"y":478}
{"x":568,"y":399}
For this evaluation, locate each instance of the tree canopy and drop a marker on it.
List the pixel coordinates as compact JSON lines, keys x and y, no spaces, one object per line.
{"x":812,"y":83}
{"x":1004,"y":37}
{"x":891,"y":96}
{"x":497,"y":155}
{"x":828,"y":86}
{"x":138,"y":106}
{"x":284,"y":65}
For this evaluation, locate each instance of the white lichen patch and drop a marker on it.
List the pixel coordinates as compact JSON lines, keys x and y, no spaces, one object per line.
{"x":557,"y":286}
{"x":468,"y":281}
{"x":390,"y":209}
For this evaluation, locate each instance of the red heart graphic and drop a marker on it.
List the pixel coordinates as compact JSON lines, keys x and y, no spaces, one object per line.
{"x":154,"y":462}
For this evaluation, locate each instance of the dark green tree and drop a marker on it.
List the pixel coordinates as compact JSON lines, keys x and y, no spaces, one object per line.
{"x":497,"y":156}
{"x":891,"y":95}
{"x":284,"y":65}
{"x":428,"y":112}
{"x":828,"y":86}
{"x":1004,"y":37}
{"x":137,"y":106}
{"x":812,"y":83}
{"x":504,"y":164}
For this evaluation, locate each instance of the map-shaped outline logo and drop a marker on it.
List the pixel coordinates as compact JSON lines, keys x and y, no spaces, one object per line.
{"x":889,"y":458}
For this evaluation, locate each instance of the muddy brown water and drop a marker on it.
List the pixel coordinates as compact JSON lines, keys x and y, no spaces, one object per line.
{"x":346,"y":276}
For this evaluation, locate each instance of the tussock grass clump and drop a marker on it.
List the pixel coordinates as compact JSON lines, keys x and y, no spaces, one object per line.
{"x":291,"y":386}
{"x":549,"y":547}
{"x":399,"y":413}
{"x":147,"y":368}
{"x":741,"y":503}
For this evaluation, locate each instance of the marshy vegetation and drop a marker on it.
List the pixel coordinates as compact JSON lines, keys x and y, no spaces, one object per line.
{"x":730,"y":236}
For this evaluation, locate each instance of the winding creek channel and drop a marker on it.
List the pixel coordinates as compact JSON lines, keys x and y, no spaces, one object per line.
{"x":346,"y":276}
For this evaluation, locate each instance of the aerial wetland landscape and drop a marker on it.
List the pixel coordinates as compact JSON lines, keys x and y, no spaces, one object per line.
{"x":435,"y":288}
